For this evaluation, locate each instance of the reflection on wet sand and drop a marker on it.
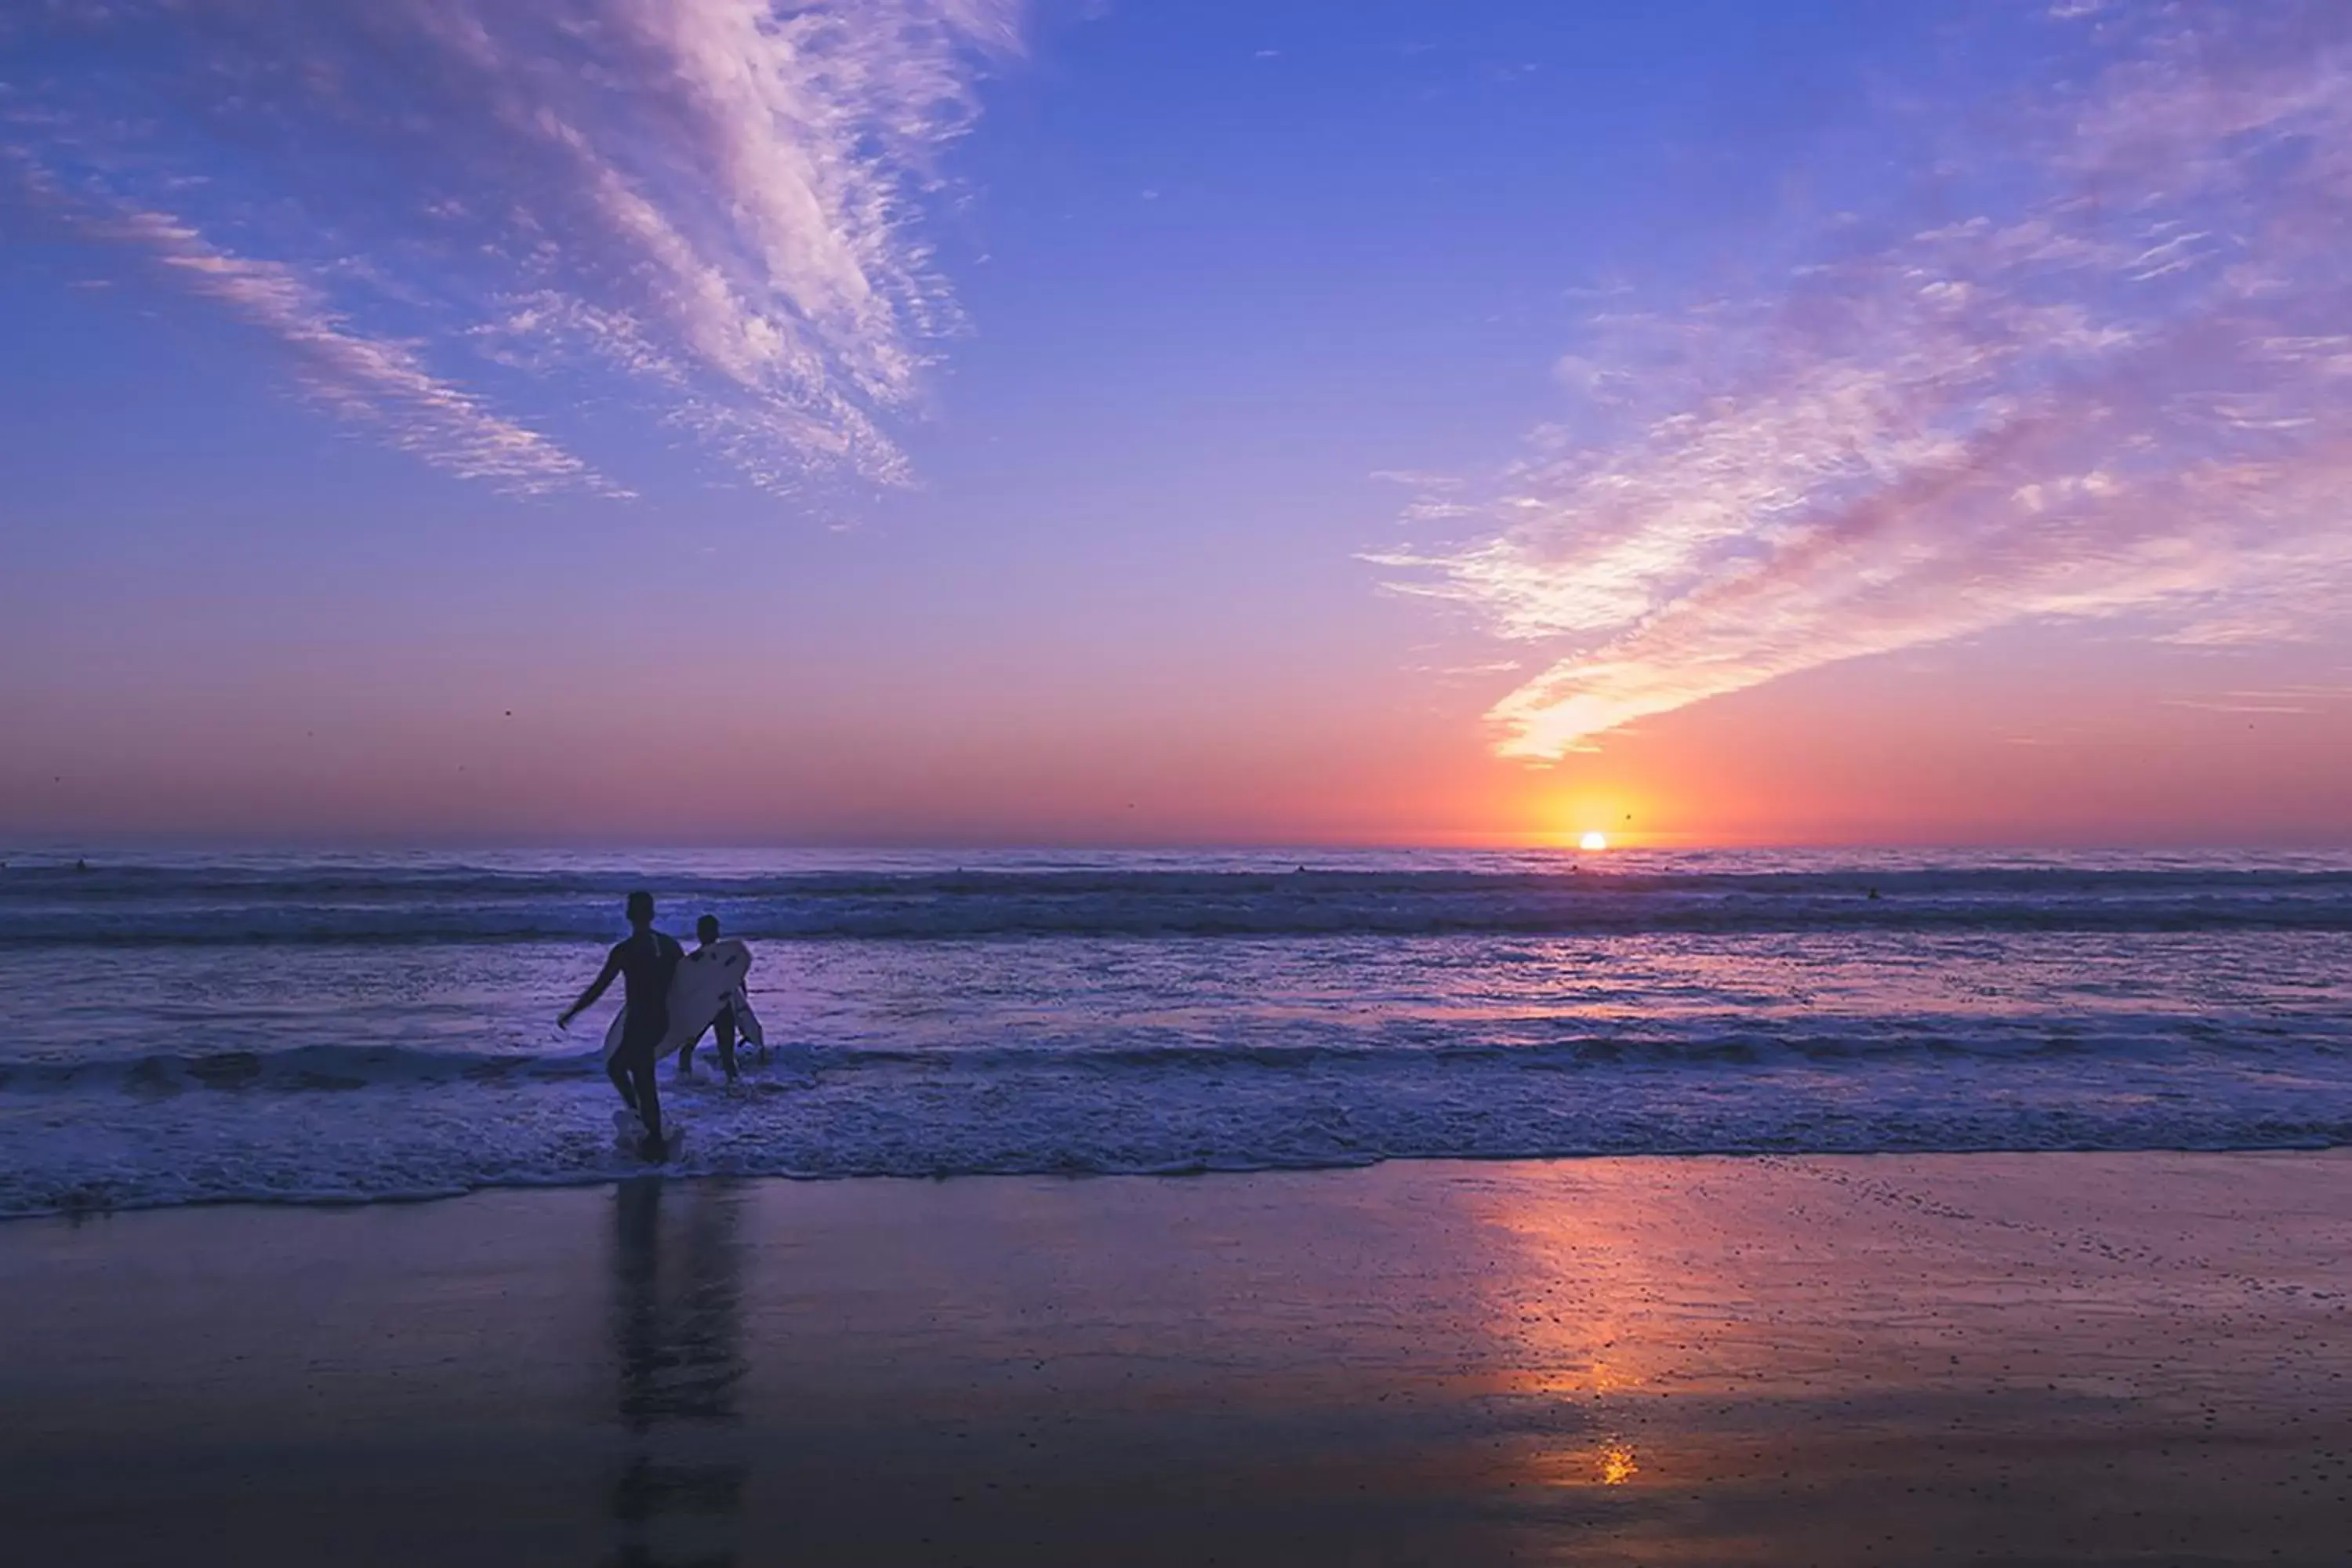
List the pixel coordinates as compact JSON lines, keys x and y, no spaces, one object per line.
{"x":1845,"y":1362}
{"x":1735,"y":1364}
{"x":678,"y":1342}
{"x":1618,"y":1464}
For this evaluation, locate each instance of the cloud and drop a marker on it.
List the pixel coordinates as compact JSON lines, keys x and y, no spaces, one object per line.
{"x":2120,"y":388}
{"x":366,"y":379}
{"x":707,"y":211}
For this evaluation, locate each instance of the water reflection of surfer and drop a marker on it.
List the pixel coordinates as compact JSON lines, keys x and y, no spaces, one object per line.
{"x":646,"y":961}
{"x":678,"y":1340}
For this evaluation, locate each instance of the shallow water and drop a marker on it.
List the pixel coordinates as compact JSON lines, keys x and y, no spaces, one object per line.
{"x":191,"y":1027}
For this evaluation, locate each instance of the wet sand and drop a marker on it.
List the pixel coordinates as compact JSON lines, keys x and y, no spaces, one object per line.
{"x":2033,"y":1359}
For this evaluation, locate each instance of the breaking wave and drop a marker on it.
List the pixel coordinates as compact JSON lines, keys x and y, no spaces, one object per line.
{"x":211,"y":906}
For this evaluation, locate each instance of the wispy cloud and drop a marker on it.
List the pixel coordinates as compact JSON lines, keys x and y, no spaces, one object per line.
{"x":367,"y":379}
{"x":2299,"y":699}
{"x":704,"y":209}
{"x":2122,"y":388}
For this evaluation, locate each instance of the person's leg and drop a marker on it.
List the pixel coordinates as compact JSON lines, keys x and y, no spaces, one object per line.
{"x":616,"y":1067}
{"x":725,"y":1027}
{"x":641,"y":1072}
{"x":685,"y":1057}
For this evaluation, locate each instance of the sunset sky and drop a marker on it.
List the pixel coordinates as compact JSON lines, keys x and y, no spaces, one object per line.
{"x":1167,"y":421}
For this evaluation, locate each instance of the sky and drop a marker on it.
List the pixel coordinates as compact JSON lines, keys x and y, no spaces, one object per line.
{"x":1233,"y":421}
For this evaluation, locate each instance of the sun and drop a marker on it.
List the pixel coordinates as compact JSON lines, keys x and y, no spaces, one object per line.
{"x":1594,"y":841}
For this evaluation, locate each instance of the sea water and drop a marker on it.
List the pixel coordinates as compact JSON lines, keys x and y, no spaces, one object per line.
{"x":183,"y":1029}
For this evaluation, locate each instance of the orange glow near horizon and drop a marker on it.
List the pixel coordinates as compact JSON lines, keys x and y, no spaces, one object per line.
{"x":326,"y":749}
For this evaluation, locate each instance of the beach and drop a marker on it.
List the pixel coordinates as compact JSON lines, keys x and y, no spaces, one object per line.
{"x":1503,"y":784}
{"x":2133,"y":1357}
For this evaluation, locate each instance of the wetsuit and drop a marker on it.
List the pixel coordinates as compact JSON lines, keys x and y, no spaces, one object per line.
{"x":645,"y":962}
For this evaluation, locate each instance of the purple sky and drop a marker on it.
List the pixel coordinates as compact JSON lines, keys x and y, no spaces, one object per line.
{"x":723,"y":420}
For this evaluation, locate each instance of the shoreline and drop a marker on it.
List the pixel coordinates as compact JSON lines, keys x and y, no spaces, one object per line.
{"x":1775,"y":1359}
{"x":605,"y":1181}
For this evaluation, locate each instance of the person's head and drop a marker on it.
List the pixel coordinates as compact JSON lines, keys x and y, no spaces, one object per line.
{"x":641,"y":909}
{"x":707,"y":929}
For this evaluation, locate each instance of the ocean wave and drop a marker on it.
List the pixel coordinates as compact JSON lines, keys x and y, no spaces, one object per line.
{"x":298,"y":1068}
{"x":340,"y":1030}
{"x":431,"y":1127}
{"x":332,"y":1069}
{"x":214,"y":907}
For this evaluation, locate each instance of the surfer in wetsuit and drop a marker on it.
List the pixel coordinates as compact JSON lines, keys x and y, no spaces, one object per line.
{"x":645,"y":961}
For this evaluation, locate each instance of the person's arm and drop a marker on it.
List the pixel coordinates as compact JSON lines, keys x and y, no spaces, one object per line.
{"x":588,"y":997}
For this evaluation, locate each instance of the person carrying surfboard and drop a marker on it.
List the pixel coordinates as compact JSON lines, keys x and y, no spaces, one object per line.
{"x":734,"y":1011}
{"x":645,"y":962}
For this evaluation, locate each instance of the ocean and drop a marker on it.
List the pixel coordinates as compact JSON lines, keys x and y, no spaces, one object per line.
{"x":331,"y":1029}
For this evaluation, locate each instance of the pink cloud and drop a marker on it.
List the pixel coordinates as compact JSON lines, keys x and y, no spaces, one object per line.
{"x":2122,"y":393}
{"x":369,"y":380}
{"x":715,"y":201}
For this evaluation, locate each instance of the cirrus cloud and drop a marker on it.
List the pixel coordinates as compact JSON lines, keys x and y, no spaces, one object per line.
{"x":464,"y":217}
{"x":2122,"y":387}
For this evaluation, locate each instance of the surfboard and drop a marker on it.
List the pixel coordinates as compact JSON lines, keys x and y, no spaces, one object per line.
{"x":706,"y":979}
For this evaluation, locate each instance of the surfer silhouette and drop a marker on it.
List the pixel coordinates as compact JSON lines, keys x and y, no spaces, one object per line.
{"x":644,"y":961}
{"x":706,"y":936}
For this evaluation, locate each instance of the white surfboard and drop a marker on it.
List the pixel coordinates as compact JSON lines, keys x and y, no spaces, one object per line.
{"x":747,"y":1022}
{"x":707,"y":981}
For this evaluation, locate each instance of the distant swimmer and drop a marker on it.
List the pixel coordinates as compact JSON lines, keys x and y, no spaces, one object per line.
{"x":734,"y":1013}
{"x":646,"y":961}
